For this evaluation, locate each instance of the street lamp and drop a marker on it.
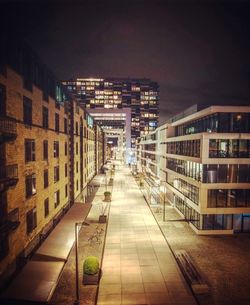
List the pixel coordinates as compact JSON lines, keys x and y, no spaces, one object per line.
{"x":78,"y":226}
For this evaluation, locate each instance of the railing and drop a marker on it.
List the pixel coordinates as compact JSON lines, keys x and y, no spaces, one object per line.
{"x":9,"y":172}
{"x":8,"y":126}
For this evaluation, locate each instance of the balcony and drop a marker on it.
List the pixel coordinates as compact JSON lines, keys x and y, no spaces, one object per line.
{"x":8,"y":129}
{"x":8,"y":176}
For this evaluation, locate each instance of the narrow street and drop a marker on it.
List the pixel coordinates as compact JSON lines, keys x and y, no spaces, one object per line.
{"x":138,"y":266}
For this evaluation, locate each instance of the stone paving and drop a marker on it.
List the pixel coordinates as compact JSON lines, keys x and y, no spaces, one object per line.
{"x":138,"y":266}
{"x":222,"y":260}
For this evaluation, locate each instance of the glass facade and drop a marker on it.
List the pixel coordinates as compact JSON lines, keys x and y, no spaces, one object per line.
{"x":188,"y":190}
{"x":211,"y":173}
{"x":217,"y":122}
{"x":224,"y":198}
{"x":225,"y":148}
{"x":217,"y":222}
{"x":190,"y":214}
{"x":185,"y":148}
{"x":186,"y":168}
{"x":226,"y":173}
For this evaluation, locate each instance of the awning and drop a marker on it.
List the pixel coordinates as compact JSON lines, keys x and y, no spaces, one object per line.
{"x":38,"y":279}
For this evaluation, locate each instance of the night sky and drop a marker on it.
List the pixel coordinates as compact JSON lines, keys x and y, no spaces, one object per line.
{"x":196,"y":51}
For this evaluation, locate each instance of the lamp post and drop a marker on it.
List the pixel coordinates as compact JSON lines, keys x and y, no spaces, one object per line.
{"x":78,"y":226}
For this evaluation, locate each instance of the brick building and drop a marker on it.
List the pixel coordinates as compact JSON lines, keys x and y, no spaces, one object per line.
{"x":47,"y":153}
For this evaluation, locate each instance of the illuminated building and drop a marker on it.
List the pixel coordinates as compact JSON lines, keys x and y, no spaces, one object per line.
{"x":140,"y":95}
{"x":203,"y":158}
{"x":47,"y":154}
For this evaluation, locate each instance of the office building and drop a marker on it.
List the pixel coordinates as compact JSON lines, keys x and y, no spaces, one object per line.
{"x":105,"y":96}
{"x":204,"y":162}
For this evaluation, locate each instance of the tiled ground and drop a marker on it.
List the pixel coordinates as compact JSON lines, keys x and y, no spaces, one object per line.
{"x":138,"y":267}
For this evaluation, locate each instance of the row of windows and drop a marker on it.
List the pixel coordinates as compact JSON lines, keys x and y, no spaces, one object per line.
{"x":229,"y":148}
{"x":228,"y":198}
{"x":211,"y":173}
{"x":185,"y":148}
{"x":189,"y":213}
{"x":204,"y":222}
{"x":218,"y":122}
{"x":27,"y":116}
{"x":188,"y":190}
{"x":30,"y":149}
{"x":22,"y":59}
{"x":186,"y":168}
{"x":226,"y":173}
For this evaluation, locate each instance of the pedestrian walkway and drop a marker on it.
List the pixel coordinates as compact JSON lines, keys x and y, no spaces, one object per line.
{"x":138,"y":266}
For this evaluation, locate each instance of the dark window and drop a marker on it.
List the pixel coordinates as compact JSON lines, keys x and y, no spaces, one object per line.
{"x":224,"y":122}
{"x":56,"y":198}
{"x":66,"y":169}
{"x":66,"y":148}
{"x":66,"y":190}
{"x":30,"y":154}
{"x":77,"y":166}
{"x":30,"y":182}
{"x":76,"y":148}
{"x":56,"y":149}
{"x":2,"y":100}
{"x":57,"y":122}
{"x":222,"y":173}
{"x":244,"y":149}
{"x":45,"y":117}
{"x":65,"y":125}
{"x":46,"y":178}
{"x":27,"y":111}
{"x":4,"y":246}
{"x":77,"y":185}
{"x":213,"y":148}
{"x":77,"y":128}
{"x":56,"y":174}
{"x":31,"y":220}
{"x":45,"y":150}
{"x":46,"y":207}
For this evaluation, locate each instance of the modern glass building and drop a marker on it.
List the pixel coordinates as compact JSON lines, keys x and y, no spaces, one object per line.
{"x":140,"y":95}
{"x":204,"y":159}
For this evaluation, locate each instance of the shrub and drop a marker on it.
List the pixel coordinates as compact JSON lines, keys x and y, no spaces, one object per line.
{"x":91,"y":265}
{"x":107,"y":193}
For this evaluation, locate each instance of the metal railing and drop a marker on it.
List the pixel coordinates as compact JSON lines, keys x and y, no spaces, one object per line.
{"x":9,"y":172}
{"x":8,"y":126}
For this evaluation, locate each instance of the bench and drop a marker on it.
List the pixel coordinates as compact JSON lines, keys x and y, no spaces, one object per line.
{"x":191,"y":273}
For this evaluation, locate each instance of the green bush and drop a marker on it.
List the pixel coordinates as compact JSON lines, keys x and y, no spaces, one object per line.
{"x":107,"y":193}
{"x":91,"y":265}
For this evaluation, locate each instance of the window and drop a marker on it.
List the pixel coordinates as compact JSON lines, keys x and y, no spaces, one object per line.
{"x":30,"y":150}
{"x":2,"y":100}
{"x":46,"y":207}
{"x":27,"y":111}
{"x":66,"y":148}
{"x":31,"y":220}
{"x":76,"y":148}
{"x":45,"y":150}
{"x":46,"y":178}
{"x":66,"y":169}
{"x":45,"y":117}
{"x":30,"y":183}
{"x":77,"y":185}
{"x":56,"y":149}
{"x":66,"y":190}
{"x":65,"y":125}
{"x":77,"y":128}
{"x":56,"y":198}
{"x":77,"y":166}
{"x":56,"y":174}
{"x":56,"y":122}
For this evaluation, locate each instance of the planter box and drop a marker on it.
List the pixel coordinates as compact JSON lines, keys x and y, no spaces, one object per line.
{"x":102,"y":218}
{"x":91,"y":279}
{"x":107,"y":198}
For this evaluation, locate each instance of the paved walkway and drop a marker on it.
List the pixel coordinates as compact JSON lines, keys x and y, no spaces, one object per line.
{"x":138,"y":266}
